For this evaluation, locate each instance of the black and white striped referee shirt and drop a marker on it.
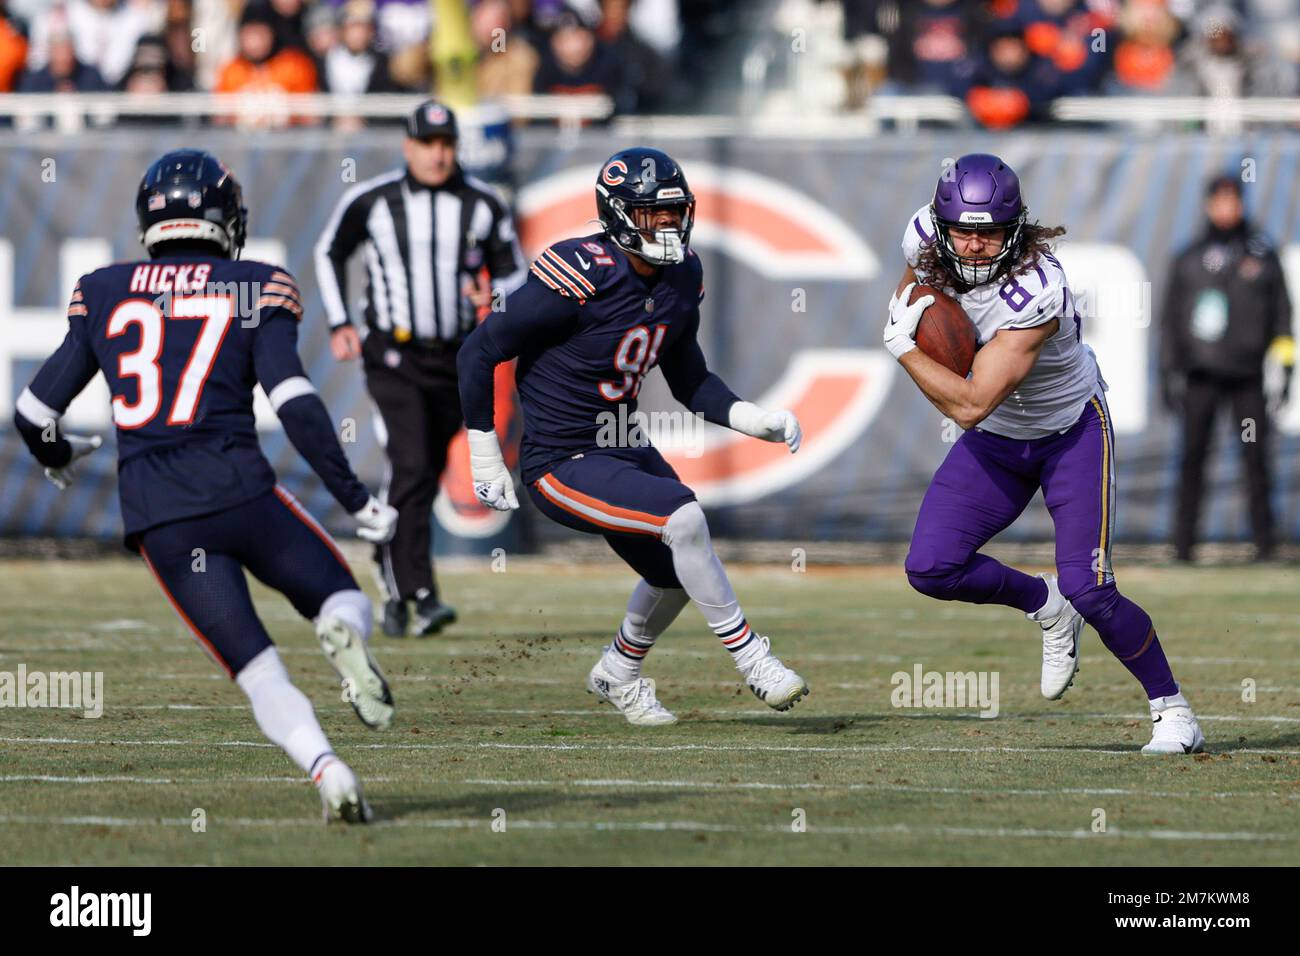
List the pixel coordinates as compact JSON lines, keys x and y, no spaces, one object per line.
{"x":422,"y":246}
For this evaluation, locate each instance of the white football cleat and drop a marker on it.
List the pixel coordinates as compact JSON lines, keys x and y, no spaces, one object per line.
{"x":634,"y":699}
{"x":772,"y":682}
{"x":1174,"y":728}
{"x":364,"y":686}
{"x":340,"y":794}
{"x":1062,"y":626}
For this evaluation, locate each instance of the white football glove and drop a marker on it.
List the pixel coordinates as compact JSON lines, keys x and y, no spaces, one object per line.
{"x":749,"y":419}
{"x":81,"y":447}
{"x":378,"y":522}
{"x":900,"y":330}
{"x":492,"y":483}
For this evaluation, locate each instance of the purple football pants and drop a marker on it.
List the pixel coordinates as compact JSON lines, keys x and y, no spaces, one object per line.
{"x":985,"y":483}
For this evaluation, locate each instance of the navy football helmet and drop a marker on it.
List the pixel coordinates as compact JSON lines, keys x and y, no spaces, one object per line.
{"x":189,"y":195}
{"x":634,"y":184}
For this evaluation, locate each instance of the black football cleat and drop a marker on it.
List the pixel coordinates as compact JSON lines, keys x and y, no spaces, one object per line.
{"x":396,"y":618}
{"x":431,"y":615}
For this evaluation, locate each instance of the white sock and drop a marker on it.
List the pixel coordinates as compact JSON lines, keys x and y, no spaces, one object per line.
{"x":282,"y":711}
{"x":1054,"y":605}
{"x":698,"y":568}
{"x":1164,"y":703}
{"x":650,"y":611}
{"x":351,"y":607}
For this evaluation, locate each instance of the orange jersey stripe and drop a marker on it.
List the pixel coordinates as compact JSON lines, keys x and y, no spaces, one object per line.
{"x":283,"y":301}
{"x":561,"y":278}
{"x":603,"y":507}
{"x":582,"y":280}
{"x":550,"y":282}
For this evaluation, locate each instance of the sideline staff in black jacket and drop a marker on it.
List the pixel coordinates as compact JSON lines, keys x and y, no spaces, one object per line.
{"x":1226,"y":337}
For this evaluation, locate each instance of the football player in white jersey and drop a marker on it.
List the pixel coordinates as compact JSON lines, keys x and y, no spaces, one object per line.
{"x":1034,"y":413}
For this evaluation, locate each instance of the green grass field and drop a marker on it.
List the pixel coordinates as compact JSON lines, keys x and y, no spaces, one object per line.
{"x":493,"y":718}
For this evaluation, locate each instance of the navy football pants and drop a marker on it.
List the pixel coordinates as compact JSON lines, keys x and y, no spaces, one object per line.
{"x":200,"y":564}
{"x":624,"y":494}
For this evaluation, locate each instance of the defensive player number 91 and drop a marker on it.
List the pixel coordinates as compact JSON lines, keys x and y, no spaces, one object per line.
{"x":637,"y":353}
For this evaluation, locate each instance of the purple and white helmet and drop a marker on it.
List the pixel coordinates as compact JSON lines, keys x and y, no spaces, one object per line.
{"x":979,"y":191}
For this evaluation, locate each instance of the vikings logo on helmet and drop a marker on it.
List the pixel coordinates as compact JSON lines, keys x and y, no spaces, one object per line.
{"x":979,"y":192}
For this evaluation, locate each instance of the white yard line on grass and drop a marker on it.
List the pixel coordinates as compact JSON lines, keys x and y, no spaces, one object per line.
{"x":164,"y":781}
{"x":637,"y":748}
{"x":630,"y":784}
{"x":971,"y":714}
{"x":865,"y":787}
{"x":683,"y":826}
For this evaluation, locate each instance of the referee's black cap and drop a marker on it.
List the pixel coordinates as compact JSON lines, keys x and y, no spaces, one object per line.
{"x":432,"y":119}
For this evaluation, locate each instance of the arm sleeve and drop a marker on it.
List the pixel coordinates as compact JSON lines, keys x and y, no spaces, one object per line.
{"x":57,"y":383}
{"x":1171,"y":323}
{"x":692,"y":383}
{"x":532,"y":315}
{"x":345,"y":231}
{"x":301,"y":412}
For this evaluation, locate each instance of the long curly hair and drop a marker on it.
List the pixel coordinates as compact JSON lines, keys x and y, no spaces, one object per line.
{"x":1035,"y":239}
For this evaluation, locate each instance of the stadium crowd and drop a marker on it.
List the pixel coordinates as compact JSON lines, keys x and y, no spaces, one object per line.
{"x":1008,"y":59}
{"x":336,"y":46}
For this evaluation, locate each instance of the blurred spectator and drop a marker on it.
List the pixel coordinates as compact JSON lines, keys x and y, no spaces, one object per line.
{"x":1010,"y":85}
{"x":152,"y":64}
{"x":1216,"y":61}
{"x":320,"y":26}
{"x":866,"y":69}
{"x":146,"y":75}
{"x":412,"y":68}
{"x":524,"y":21}
{"x":643,"y":73}
{"x":934,"y":43}
{"x":179,"y":43}
{"x":353,"y":65}
{"x":148,"y":72}
{"x":63,"y":72}
{"x":574,"y":61}
{"x":507,"y":62}
{"x":287,"y":18}
{"x":1144,"y":59}
{"x":13,"y":50}
{"x":258,"y":68}
{"x":216,"y":23}
{"x":1065,"y":32}
{"x":104,"y":32}
{"x":402,"y":24}
{"x":1226,"y":339}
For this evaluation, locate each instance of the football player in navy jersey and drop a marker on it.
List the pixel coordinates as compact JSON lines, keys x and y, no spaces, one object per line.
{"x":595,"y":316}
{"x":182,"y":338}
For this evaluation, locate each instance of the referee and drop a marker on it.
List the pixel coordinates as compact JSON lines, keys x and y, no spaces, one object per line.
{"x":435,"y":241}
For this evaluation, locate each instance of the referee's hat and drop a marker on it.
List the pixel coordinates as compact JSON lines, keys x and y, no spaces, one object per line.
{"x":431,"y":119}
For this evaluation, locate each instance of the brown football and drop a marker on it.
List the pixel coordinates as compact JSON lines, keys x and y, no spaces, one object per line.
{"x":946,"y":333}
